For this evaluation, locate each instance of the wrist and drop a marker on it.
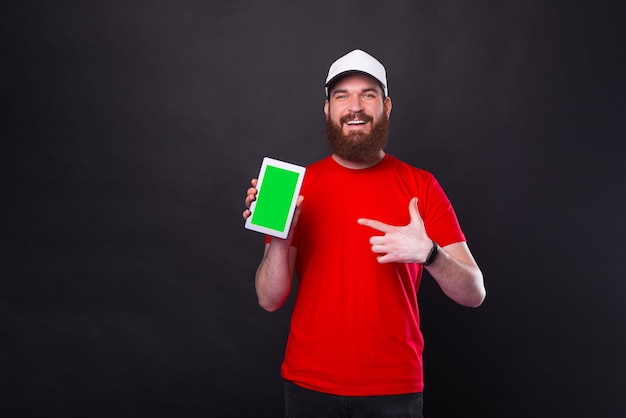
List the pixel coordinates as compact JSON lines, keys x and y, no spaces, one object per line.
{"x":432,"y":255}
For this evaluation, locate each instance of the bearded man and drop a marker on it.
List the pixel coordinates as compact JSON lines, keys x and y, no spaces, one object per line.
{"x":365,"y":227}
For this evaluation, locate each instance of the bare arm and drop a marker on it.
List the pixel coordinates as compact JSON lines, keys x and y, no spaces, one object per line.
{"x":274,"y":275}
{"x":458,"y":275}
{"x":454,"y":269}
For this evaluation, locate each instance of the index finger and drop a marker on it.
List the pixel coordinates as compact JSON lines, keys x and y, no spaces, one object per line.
{"x":378,"y":225}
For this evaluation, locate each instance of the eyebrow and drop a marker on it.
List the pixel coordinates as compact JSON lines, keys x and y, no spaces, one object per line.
{"x":365,"y":90}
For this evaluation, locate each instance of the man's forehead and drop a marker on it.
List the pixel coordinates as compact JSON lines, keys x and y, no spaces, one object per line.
{"x":356,"y":81}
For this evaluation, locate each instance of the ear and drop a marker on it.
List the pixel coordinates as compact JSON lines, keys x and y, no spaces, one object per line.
{"x":326,"y":104}
{"x":387,"y":106}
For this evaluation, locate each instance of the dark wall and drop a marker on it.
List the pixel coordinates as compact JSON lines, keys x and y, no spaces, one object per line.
{"x":130,"y":131}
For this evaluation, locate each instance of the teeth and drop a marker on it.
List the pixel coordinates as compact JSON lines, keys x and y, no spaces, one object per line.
{"x":355,"y":122}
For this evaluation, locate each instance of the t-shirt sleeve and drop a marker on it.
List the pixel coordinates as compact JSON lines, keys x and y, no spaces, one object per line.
{"x":440,"y":220}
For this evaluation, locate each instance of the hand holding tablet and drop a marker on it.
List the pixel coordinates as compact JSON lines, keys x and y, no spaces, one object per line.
{"x":278,"y":188}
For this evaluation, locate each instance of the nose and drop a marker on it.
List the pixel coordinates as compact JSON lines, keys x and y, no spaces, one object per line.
{"x":354,"y":104}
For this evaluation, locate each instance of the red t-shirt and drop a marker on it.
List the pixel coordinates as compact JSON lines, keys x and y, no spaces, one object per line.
{"x":355,"y":325}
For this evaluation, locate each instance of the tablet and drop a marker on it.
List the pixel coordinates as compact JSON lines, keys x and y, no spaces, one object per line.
{"x":278,"y":188}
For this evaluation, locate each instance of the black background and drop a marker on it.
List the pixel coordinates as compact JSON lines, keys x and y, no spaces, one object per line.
{"x":130,"y":131}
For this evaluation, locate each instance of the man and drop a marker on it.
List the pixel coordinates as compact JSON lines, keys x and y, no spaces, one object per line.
{"x":366,"y":225}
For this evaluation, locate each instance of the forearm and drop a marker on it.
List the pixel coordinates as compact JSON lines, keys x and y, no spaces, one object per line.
{"x":459,"y":278}
{"x":274,"y":276}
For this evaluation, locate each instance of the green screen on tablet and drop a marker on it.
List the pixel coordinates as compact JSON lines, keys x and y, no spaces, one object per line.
{"x":278,"y":189}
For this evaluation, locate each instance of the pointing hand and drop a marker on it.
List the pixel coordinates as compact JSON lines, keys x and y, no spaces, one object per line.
{"x":400,"y":244}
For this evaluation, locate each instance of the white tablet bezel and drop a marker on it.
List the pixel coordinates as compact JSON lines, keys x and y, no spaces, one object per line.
{"x":267,"y":162}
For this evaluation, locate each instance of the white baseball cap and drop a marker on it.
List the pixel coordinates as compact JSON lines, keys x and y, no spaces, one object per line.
{"x":358,"y":61}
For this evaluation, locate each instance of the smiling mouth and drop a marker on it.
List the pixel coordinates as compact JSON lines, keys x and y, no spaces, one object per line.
{"x":356,"y":119}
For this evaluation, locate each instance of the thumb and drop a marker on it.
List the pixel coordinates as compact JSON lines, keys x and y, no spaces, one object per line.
{"x":414,"y":211}
{"x":296,"y":214}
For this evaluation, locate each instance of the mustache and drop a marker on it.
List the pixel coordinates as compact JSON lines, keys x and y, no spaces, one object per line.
{"x":356,"y":116}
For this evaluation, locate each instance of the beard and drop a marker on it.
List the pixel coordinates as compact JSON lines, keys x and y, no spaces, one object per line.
{"x":358,"y":146}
